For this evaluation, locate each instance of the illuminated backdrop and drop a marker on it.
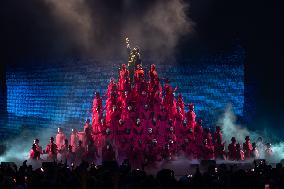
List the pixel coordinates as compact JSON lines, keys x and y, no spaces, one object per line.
{"x":54,"y":93}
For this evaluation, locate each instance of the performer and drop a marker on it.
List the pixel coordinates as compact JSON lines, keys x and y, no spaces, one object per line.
{"x":70,"y":157}
{"x":39,"y":148}
{"x":134,"y":59}
{"x":60,"y":137}
{"x":79,"y":153}
{"x":162,"y":121}
{"x":34,"y":153}
{"x":208,"y":150}
{"x":88,"y":125}
{"x":108,"y":153}
{"x":240,"y":155}
{"x":169,"y":101}
{"x":261,"y":147}
{"x":153,"y":74}
{"x":218,"y":135}
{"x":149,"y":136}
{"x":88,"y":137}
{"x":232,"y":154}
{"x":198,"y":132}
{"x":207,"y":135}
{"x":123,"y":141}
{"x":64,"y":150}
{"x":171,"y":140}
{"x":168,"y":151}
{"x":111,"y":103}
{"x":219,"y":146}
{"x":92,"y":153}
{"x":254,"y":152}
{"x":268,"y":151}
{"x":123,"y":75}
{"x":247,"y":147}
{"x":190,"y":148}
{"x":74,"y":139}
{"x":153,"y":152}
{"x":137,"y":131}
{"x":97,"y":110}
{"x":107,"y":136}
{"x":146,"y":115}
{"x":154,"y":125}
{"x":114,"y":118}
{"x":139,"y":77}
{"x":182,"y":132}
{"x":51,"y":150}
{"x":180,"y":105}
{"x":137,"y":153}
{"x":190,"y":116}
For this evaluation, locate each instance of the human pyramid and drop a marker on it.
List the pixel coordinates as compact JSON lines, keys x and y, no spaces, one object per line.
{"x":144,"y":123}
{"x":141,"y":123}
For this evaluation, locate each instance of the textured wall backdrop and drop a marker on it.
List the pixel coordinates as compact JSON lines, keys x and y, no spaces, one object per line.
{"x":57,"y":93}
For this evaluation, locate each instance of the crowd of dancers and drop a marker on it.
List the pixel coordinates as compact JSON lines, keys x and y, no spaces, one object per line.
{"x":143,"y":122}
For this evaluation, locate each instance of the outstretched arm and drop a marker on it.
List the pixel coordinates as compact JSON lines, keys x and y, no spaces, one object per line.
{"x":128,"y":45}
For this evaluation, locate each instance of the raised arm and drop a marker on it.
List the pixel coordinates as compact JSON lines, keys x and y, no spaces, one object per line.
{"x":128,"y":45}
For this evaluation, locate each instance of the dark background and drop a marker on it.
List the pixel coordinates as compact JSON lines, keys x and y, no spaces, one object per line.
{"x":27,"y":30}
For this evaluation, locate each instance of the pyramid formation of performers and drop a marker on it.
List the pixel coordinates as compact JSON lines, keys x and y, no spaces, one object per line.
{"x":143,"y":122}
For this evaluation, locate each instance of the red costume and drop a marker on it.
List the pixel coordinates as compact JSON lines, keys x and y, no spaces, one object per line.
{"x":180,"y":105}
{"x":88,"y":125}
{"x":108,"y":153}
{"x":137,"y":153}
{"x":146,"y":116}
{"x":114,"y":118}
{"x":207,"y":135}
{"x":123,"y":142}
{"x":232,"y":154}
{"x":190,"y":149}
{"x":51,"y":150}
{"x":36,"y":150}
{"x":240,"y":156}
{"x":97,"y":110}
{"x":137,"y":131}
{"x":169,"y":151}
{"x":219,"y":146}
{"x":79,"y":153}
{"x":107,"y":136}
{"x":182,"y":130}
{"x":123,"y":74}
{"x":60,"y":137}
{"x":190,"y":116}
{"x":92,"y":153}
{"x":148,"y":138}
{"x":34,"y":153}
{"x":208,"y":150}
{"x":153,"y":74}
{"x":198,"y":132}
{"x":142,"y":123}
{"x":74,"y":139}
{"x":153,"y":151}
{"x":247,"y":147}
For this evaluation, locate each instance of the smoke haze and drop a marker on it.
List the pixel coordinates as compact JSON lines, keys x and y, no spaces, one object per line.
{"x":93,"y":28}
{"x":231,"y":129}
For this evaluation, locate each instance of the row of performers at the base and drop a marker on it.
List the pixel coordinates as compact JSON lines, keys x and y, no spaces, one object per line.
{"x":148,"y":149}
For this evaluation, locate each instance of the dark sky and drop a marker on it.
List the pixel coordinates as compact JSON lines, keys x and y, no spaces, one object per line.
{"x":28,"y":29}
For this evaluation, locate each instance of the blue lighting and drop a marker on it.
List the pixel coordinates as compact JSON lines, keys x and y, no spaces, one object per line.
{"x":61,"y":94}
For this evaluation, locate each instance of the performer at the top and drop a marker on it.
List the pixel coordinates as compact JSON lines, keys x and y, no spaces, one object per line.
{"x":134,"y":59}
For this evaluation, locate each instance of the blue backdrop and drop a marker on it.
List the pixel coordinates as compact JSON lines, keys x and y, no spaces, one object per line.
{"x":54,"y":93}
